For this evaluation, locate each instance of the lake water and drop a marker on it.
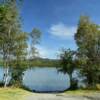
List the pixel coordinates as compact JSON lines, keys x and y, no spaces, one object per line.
{"x":44,"y":79}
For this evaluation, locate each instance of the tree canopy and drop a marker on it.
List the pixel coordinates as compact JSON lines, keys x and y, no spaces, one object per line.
{"x":14,"y":42}
{"x":88,"y":41}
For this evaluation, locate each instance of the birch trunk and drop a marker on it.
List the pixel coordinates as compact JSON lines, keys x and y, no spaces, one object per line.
{"x":6,"y":80}
{"x":6,"y":77}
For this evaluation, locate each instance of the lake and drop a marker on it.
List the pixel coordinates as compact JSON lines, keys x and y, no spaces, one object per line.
{"x":44,"y":79}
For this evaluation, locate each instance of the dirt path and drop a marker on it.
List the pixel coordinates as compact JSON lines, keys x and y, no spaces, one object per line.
{"x":37,"y":96}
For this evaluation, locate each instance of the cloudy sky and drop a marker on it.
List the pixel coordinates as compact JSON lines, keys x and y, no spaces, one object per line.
{"x":57,"y":19}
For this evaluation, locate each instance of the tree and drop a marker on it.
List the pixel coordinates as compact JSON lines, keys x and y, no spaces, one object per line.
{"x":19,"y":63}
{"x":7,"y":19}
{"x":67,"y":65}
{"x":13,"y":42}
{"x":11,"y":37}
{"x":34,"y":38}
{"x":88,"y":42}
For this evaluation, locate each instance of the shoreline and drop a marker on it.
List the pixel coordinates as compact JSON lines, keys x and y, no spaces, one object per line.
{"x":21,"y":94}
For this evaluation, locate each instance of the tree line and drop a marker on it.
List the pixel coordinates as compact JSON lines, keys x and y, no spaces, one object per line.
{"x":44,"y":62}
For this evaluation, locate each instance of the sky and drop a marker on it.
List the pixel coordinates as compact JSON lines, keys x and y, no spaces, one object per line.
{"x":57,"y":20}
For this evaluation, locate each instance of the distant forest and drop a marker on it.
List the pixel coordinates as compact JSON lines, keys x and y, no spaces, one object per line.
{"x":44,"y":62}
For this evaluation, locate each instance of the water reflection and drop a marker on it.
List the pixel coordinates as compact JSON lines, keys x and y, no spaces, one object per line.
{"x":46,"y":79}
{"x":43,"y":79}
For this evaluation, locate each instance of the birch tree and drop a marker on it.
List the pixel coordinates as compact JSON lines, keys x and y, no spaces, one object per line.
{"x":9,"y":27}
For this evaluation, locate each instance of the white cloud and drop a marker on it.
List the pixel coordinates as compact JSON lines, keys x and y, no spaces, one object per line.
{"x":43,"y":52}
{"x":46,"y":52}
{"x":62,"y":31}
{"x":29,"y":54}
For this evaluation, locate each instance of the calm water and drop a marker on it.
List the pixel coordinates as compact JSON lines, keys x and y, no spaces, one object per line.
{"x":1,"y":74}
{"x":44,"y":79}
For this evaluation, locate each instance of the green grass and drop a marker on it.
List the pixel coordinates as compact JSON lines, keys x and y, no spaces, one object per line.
{"x":82,"y":92}
{"x":20,"y":94}
{"x":13,"y":94}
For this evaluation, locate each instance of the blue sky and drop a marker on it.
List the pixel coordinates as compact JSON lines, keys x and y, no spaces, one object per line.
{"x":57,"y":19}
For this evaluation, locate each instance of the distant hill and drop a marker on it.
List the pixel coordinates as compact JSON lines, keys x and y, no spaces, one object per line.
{"x":43,"y":62}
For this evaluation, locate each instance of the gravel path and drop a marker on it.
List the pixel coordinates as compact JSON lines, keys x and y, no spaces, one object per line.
{"x":37,"y":96}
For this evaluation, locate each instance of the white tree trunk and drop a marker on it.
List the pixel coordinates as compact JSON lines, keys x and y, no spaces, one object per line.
{"x":6,"y":78}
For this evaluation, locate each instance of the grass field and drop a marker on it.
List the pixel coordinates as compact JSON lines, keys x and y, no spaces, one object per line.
{"x":13,"y":94}
{"x":20,"y":94}
{"x":82,"y":92}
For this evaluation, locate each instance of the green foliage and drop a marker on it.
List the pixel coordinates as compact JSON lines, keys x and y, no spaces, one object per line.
{"x":68,"y":65}
{"x":13,"y":42}
{"x":88,"y":42}
{"x":9,"y":28}
{"x":67,"y":61}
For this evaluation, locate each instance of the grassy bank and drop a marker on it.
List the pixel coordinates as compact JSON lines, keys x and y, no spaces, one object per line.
{"x":13,"y":94}
{"x":20,"y":94}
{"x":82,"y":92}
